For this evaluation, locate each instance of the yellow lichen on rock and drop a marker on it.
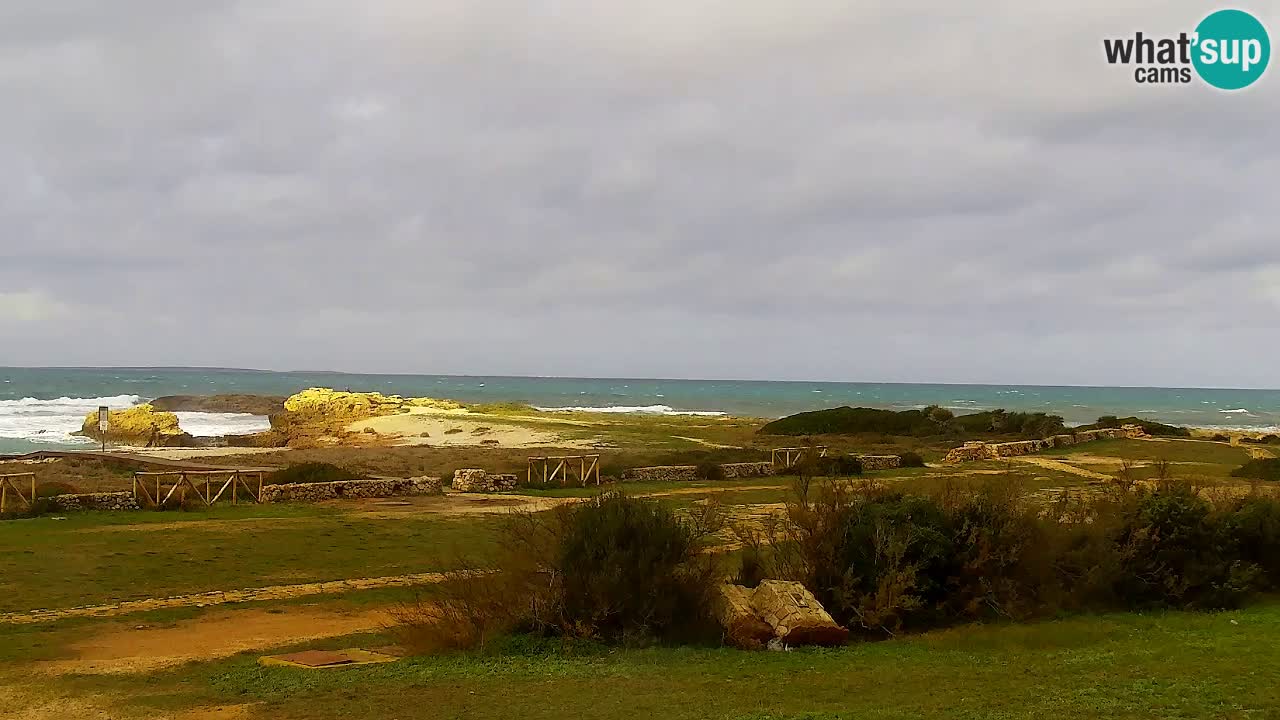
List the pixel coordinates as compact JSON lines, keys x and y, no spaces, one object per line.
{"x":337,"y":404}
{"x":141,"y":425}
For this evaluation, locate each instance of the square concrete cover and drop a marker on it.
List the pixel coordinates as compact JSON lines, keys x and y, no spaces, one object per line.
{"x":316,"y":658}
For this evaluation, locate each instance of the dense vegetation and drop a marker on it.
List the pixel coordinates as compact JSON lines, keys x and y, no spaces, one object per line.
{"x":615,"y":569}
{"x":1151,"y":427}
{"x":929,"y":422}
{"x":310,"y":472}
{"x":1259,"y":469}
{"x":884,"y":562}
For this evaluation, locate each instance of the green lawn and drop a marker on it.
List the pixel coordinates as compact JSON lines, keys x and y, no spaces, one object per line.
{"x":1197,"y":451}
{"x":92,"y":558}
{"x":1174,"y":665}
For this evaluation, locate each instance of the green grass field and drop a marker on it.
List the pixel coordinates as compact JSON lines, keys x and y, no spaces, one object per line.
{"x":92,"y":558}
{"x":1167,"y":665}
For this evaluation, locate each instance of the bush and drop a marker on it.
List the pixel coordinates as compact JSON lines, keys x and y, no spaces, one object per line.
{"x":929,"y":422}
{"x":1259,"y":469}
{"x":911,"y":459}
{"x":885,"y":562}
{"x":615,"y":569}
{"x":1171,"y":554}
{"x":1251,"y":528}
{"x":708,"y":470}
{"x":53,"y":488}
{"x":628,"y":569}
{"x":1001,"y":422}
{"x":310,"y":472}
{"x":1271,"y":439}
{"x":838,"y":466}
{"x":1151,"y":427}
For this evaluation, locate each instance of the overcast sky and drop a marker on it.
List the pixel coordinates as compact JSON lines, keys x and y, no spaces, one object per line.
{"x":884,"y":191}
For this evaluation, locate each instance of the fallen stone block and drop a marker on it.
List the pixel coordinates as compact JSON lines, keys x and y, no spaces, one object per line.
{"x":796,"y":616}
{"x":743,"y":628}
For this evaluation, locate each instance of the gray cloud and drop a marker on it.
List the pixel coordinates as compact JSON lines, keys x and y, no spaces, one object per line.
{"x":701,"y":188}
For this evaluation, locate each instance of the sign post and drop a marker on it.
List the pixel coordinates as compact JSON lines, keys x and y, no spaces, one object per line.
{"x":103,"y":423}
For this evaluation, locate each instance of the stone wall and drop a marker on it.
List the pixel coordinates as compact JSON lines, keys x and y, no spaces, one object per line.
{"x":879,"y":462}
{"x":977,"y":450}
{"x":476,"y":480}
{"x":748,"y":470}
{"x":662,"y":473}
{"x":93,"y":501}
{"x":377,"y":488}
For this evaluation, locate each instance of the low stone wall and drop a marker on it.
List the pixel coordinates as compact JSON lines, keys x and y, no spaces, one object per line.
{"x":879,"y":462}
{"x":378,"y":488}
{"x":661,"y":473}
{"x":977,"y":450}
{"x":476,"y":480}
{"x":748,"y":470}
{"x":93,"y":501}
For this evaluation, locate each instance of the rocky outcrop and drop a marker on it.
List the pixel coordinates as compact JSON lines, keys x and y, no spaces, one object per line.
{"x":231,"y":403}
{"x":337,"y":404}
{"x":775,"y":611}
{"x":139,"y":426}
{"x":748,"y":470}
{"x":977,"y":450}
{"x":478,"y":481}
{"x":347,"y":489}
{"x":879,"y":462}
{"x":319,"y":417}
{"x":661,"y":473}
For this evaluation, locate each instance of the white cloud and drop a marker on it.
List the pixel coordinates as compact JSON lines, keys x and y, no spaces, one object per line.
{"x":942,"y":192}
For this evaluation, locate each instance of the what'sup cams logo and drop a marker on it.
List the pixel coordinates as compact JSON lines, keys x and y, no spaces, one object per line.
{"x":1229,"y":50}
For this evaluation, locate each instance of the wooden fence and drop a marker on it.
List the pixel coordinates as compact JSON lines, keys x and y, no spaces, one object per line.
{"x":179,"y":482}
{"x":587,"y":467}
{"x":7,"y":489}
{"x":788,"y":457}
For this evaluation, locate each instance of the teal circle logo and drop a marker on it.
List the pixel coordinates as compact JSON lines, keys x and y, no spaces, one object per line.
{"x":1232,"y":49}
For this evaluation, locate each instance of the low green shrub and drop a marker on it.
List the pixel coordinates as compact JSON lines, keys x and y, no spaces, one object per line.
{"x":838,"y":466}
{"x":1151,"y":427}
{"x":310,"y":472}
{"x":929,"y":422}
{"x":52,"y":488}
{"x":1259,"y":469}
{"x":885,"y":562}
{"x":709,"y":470}
{"x":1271,"y":439}
{"x":614,"y":569}
{"x":911,"y":459}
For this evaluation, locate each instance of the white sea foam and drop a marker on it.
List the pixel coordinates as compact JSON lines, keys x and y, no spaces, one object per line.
{"x":1237,"y":410}
{"x":201,"y":424}
{"x":639,"y":409}
{"x":53,"y":421}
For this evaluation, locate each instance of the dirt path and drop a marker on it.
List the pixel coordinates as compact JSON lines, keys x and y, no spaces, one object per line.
{"x":123,"y":648}
{"x":221,"y":597}
{"x":1048,"y":464}
{"x":1258,"y":453}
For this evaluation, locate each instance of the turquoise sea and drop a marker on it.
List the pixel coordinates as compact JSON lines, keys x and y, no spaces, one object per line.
{"x":40,"y":406}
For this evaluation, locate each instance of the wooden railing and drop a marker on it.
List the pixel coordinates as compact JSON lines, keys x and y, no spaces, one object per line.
{"x":7,"y":489}
{"x":179,"y":482}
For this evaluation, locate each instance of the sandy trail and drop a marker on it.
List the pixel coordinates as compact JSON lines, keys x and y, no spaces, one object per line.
{"x":222,"y":597}
{"x":436,"y":429}
{"x":1049,"y":464}
{"x":128,"y":649}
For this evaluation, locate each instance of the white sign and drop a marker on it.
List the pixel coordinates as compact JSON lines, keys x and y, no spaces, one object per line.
{"x":102,"y":418}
